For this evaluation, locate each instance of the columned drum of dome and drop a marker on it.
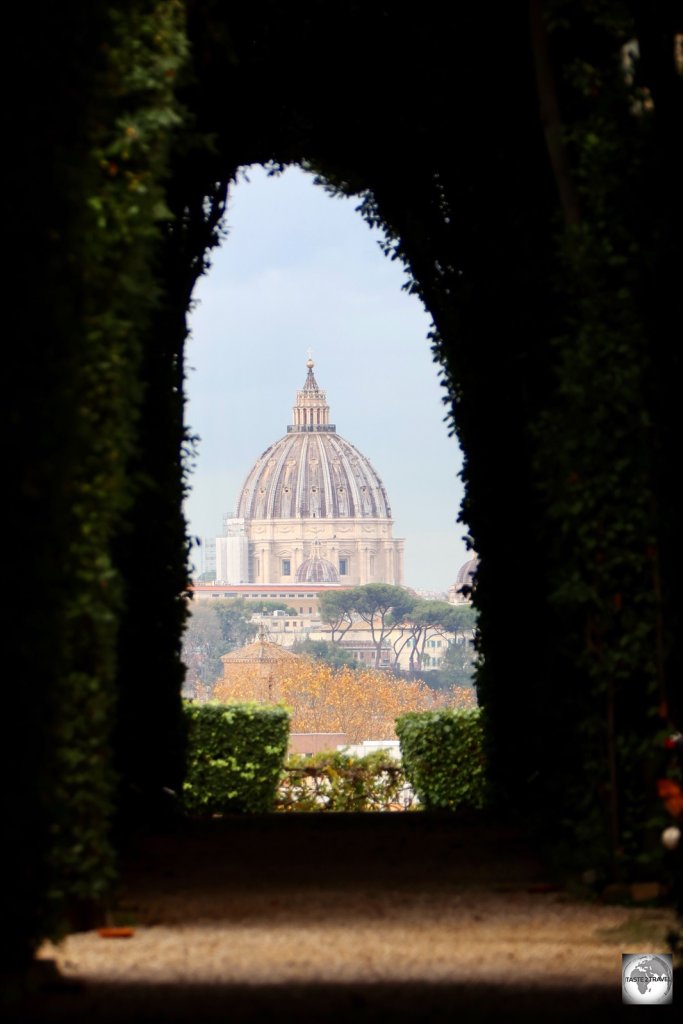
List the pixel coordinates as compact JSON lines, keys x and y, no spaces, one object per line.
{"x":313,"y":504}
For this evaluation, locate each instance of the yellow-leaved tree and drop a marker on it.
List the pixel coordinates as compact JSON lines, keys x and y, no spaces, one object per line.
{"x":363,"y":704}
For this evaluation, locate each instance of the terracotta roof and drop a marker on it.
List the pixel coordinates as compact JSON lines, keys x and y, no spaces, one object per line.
{"x":258,"y":652}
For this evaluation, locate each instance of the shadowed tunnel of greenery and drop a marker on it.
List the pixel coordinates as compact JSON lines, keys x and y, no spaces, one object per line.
{"x":525,"y":177}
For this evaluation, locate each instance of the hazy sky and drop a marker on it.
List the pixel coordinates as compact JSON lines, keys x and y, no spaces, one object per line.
{"x":301,"y":269}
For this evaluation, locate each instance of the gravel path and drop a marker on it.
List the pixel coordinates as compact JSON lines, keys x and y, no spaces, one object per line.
{"x":363,"y":918}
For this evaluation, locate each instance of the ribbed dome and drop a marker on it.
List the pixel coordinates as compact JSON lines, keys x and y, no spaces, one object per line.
{"x":466,"y":573}
{"x":312,"y":472}
{"x":317,"y":570}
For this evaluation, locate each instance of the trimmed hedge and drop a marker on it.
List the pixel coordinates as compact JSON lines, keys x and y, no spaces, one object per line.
{"x":443,"y":757}
{"x":235,"y":756}
{"x":335,"y":781}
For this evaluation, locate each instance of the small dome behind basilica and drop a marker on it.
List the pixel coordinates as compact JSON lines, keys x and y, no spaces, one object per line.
{"x":460,"y":591}
{"x":465,"y":576}
{"x":317,"y":570}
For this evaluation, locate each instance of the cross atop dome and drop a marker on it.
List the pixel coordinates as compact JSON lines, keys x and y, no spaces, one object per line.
{"x":311,"y":411}
{"x":311,"y":384}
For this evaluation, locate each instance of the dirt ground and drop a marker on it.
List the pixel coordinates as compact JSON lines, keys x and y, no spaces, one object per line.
{"x":345,"y":918}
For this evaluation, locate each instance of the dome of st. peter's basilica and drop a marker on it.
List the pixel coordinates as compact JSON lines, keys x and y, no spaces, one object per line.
{"x":313,"y":508}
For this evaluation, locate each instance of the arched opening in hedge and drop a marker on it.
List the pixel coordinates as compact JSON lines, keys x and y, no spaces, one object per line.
{"x":479,"y":257}
{"x":549,"y":310}
{"x":313,"y":281}
{"x":529,"y":318}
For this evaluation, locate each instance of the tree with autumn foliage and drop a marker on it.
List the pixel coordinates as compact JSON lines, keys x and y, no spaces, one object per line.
{"x":363,"y":704}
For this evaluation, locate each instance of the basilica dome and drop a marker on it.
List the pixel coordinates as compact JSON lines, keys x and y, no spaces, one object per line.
{"x":312,"y":472}
{"x":312,"y":510}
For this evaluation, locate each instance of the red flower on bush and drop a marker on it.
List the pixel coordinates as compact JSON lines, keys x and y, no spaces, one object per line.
{"x":672,"y":796}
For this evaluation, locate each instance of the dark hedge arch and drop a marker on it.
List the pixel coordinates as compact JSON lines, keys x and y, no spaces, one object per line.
{"x":494,"y":160}
{"x":524,"y":182}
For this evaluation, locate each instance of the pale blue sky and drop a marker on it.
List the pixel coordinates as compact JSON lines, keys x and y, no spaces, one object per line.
{"x":301,"y":269}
